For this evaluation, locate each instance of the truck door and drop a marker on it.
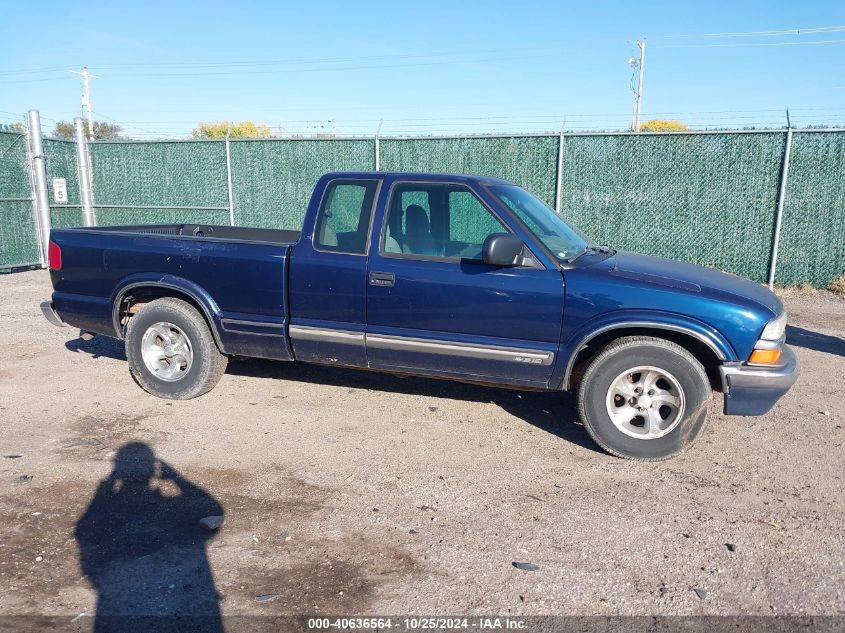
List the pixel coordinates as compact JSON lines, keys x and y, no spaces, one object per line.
{"x":328,"y":276}
{"x":434,"y":307}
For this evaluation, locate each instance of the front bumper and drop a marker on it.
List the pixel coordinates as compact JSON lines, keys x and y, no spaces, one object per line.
{"x":51,"y":315}
{"x":754,"y":390}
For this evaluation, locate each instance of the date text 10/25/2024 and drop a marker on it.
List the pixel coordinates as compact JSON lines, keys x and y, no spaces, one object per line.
{"x":416,"y":624}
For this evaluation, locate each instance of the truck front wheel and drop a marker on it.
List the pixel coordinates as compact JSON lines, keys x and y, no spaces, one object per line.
{"x":171,"y":351}
{"x":644,"y":398}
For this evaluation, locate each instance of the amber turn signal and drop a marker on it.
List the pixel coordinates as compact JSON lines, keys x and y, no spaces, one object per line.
{"x":764,"y":356}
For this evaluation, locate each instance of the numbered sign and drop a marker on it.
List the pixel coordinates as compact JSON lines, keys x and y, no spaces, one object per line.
{"x":59,"y":191}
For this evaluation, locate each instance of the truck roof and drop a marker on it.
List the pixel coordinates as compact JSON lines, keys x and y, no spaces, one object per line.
{"x":419,"y":175}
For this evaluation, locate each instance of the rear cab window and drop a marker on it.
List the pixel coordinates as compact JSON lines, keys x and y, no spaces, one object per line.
{"x":343,"y":221}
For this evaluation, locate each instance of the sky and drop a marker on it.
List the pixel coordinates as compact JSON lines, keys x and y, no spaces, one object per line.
{"x":434,"y":67}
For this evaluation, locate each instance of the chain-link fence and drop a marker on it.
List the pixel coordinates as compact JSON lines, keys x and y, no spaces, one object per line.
{"x":18,"y":241}
{"x":61,"y":163}
{"x":160,"y":182}
{"x":812,"y":244}
{"x":708,"y":198}
{"x":273,"y":179}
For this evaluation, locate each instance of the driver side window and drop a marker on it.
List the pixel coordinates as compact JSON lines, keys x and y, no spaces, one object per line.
{"x":437,"y":221}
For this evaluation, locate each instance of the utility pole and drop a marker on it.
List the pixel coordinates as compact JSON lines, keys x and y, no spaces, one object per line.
{"x":86,"y":96}
{"x":638,"y":95}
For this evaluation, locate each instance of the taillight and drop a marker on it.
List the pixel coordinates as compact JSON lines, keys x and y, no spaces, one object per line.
{"x":54,"y":256}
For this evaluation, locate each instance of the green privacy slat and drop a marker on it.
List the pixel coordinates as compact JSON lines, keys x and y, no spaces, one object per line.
{"x":18,"y":241}
{"x":63,"y":217}
{"x":18,"y":244}
{"x":529,"y":162}
{"x":707,"y":199}
{"x":110,"y":216}
{"x":704,"y":198}
{"x":812,"y":243}
{"x":61,"y":163}
{"x":273,"y":179}
{"x":166,"y":174}
{"x":14,"y":180}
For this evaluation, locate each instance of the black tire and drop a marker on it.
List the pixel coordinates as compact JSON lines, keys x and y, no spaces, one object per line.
{"x":642,"y":351}
{"x":207,"y":364}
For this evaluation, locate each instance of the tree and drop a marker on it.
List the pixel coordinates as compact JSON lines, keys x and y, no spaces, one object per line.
{"x":102,"y":131}
{"x":218,"y":129}
{"x":17,"y":128}
{"x":663,"y":125}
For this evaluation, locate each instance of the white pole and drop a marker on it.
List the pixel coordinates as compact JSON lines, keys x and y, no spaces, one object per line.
{"x":378,"y":147}
{"x":88,"y":102}
{"x":229,"y":179}
{"x":378,"y":155}
{"x":86,"y":96}
{"x":639,"y":97}
{"x":784,"y":172}
{"x":39,"y":171}
{"x":86,"y":198}
{"x":559,"y":177}
{"x":36,"y":218}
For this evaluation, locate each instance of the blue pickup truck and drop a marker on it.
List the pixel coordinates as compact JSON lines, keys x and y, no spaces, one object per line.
{"x":458,"y":277}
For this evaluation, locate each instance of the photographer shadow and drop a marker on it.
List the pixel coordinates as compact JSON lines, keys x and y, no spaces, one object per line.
{"x":143,"y":548}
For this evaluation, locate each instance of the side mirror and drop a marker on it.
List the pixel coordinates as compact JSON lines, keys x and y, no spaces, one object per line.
{"x":502,"y":249}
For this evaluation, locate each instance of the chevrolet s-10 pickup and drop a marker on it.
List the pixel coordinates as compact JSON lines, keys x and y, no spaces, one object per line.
{"x":458,"y":277}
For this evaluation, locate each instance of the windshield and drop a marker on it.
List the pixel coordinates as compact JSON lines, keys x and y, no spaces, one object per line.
{"x":561,"y":239}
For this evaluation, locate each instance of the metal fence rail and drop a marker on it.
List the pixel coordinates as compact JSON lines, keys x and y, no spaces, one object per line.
{"x":712,"y":198}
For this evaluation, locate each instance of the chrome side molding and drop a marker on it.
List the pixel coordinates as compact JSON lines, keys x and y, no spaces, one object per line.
{"x":448,"y":348}
{"x":324,"y":335}
{"x":425,"y":346}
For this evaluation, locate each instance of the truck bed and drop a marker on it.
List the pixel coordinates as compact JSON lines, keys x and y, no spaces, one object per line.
{"x":207,"y":231}
{"x":236,"y":275}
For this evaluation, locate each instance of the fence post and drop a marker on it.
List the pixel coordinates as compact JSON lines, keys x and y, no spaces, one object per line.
{"x":83,"y":172}
{"x":229,"y":187}
{"x":377,"y":154}
{"x":779,"y":216}
{"x":36,"y":220}
{"x":40,"y":196}
{"x":559,"y":176}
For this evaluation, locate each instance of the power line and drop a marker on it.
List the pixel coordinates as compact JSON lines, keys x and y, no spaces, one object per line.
{"x":560,"y":116}
{"x":799,"y":31}
{"x":447,"y":57}
{"x":753,"y":44}
{"x":276,"y":71}
{"x":450,"y":55}
{"x":429,"y":122}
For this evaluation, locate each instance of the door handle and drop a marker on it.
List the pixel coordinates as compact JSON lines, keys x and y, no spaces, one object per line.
{"x":382,"y":279}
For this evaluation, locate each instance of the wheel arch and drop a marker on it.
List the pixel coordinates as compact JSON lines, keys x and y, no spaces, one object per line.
{"x":144,"y":290}
{"x":709,"y":352}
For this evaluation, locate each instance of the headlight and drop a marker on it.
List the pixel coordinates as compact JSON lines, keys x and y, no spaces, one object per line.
{"x":774,"y":329}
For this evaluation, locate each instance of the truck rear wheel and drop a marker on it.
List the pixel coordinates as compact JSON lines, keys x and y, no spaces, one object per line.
{"x":644,"y":398}
{"x":171,"y":351}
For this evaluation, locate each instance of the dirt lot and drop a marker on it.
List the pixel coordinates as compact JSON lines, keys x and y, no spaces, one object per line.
{"x":354,"y":492}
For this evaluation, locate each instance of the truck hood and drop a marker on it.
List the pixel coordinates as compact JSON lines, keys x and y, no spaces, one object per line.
{"x":693,"y":278}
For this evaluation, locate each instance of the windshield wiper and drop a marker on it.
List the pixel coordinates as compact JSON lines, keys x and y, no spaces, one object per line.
{"x":592,"y":249}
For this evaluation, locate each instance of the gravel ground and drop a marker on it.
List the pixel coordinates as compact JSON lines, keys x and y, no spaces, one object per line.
{"x":351,"y":492}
